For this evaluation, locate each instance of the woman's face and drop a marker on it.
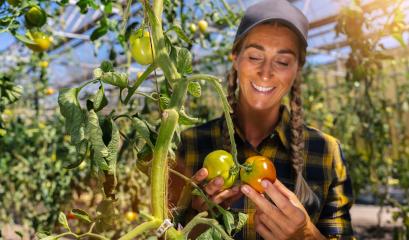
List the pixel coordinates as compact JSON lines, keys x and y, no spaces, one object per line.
{"x":266,"y":66}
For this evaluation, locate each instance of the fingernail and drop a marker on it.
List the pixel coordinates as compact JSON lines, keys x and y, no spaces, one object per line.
{"x":218,"y":181}
{"x":245,"y":189}
{"x":264,"y":183}
{"x":202,"y":172}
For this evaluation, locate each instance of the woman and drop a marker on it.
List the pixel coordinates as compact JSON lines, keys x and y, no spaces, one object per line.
{"x":312,"y":195}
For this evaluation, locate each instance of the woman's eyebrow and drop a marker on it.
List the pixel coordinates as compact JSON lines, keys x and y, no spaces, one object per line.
{"x":281,"y":51}
{"x":287,"y":51}
{"x":254,"y":45}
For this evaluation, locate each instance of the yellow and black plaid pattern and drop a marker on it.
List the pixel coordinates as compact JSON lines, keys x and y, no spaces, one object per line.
{"x":324,"y":170}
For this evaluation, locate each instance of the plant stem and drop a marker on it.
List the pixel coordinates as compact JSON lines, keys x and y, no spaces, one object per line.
{"x":226,"y":109}
{"x":144,"y":227}
{"x":162,"y":58}
{"x":159,"y":171}
{"x":126,"y":16}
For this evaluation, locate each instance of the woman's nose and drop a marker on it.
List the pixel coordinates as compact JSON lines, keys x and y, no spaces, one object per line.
{"x":266,"y":72}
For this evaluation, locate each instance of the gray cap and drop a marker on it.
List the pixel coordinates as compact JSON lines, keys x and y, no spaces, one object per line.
{"x":280,"y":10}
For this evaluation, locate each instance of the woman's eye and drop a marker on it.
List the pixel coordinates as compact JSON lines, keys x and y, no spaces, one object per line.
{"x":283,"y":64}
{"x":255,"y":58}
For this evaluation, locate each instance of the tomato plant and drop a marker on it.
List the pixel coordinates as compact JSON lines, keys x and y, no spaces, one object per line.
{"x":141,"y":49}
{"x":257,"y":168}
{"x":35,"y":17}
{"x":220,"y":163}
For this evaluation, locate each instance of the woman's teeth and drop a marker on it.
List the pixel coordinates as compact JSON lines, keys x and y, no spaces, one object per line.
{"x":262,"y":89}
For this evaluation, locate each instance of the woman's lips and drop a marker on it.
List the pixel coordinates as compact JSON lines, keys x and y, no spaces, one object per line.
{"x":262,"y":89}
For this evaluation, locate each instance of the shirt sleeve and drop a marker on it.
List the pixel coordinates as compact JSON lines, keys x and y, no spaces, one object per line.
{"x":335,"y":220}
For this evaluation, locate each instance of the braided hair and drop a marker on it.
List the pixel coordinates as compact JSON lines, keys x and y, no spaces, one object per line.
{"x":302,"y":189}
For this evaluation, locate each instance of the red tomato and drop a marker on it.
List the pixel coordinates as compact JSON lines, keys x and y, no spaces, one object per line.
{"x":259,"y":168}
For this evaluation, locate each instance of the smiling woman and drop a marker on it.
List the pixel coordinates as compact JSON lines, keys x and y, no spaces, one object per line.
{"x":312,"y":194}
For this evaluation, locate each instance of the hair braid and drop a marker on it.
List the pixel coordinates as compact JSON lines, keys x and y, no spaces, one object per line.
{"x":302,"y":189}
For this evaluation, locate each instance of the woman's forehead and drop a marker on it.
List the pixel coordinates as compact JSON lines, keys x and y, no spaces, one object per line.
{"x":269,"y":33}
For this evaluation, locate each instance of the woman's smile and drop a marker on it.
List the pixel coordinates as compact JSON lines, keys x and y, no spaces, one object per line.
{"x":261,"y":89}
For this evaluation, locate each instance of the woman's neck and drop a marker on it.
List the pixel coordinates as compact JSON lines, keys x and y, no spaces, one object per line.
{"x":257,"y":124}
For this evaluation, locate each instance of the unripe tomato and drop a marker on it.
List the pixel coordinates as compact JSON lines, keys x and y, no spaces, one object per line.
{"x":141,"y":49}
{"x":202,"y":26}
{"x":131,"y":216}
{"x":35,"y":16}
{"x":42,"y":40}
{"x":192,"y":27}
{"x":43,"y":64}
{"x":14,"y":3}
{"x":220,"y":163}
{"x":49,"y":91}
{"x":260,"y":168}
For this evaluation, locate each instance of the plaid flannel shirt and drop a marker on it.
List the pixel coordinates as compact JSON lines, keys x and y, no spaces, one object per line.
{"x":324,"y":170}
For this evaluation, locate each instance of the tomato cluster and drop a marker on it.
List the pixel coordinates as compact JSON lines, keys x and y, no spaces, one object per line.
{"x":255,"y":169}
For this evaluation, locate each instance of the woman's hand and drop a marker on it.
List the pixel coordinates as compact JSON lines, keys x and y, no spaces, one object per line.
{"x":285,"y":219}
{"x":214,"y":191}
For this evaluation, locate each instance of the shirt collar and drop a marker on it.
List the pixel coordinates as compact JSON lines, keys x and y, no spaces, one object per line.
{"x":282,"y":129}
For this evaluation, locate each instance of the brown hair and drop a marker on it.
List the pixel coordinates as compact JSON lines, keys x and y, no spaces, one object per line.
{"x":302,"y":190}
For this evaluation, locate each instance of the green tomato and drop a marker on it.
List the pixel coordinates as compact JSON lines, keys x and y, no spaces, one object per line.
{"x":42,"y":41}
{"x":202,"y":25}
{"x":192,"y":27}
{"x":220,"y":163}
{"x":141,"y":49}
{"x":35,"y":17}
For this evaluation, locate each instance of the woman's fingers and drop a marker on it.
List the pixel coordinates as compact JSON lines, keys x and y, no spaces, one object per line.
{"x":227,"y":196}
{"x":261,"y":228}
{"x":214,"y":186}
{"x":200,"y":175}
{"x":284,"y":201}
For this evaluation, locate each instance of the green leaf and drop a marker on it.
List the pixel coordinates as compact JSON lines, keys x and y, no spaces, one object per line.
{"x":98,"y":101}
{"x":117,"y":79}
{"x":184,"y":62}
{"x":242,"y":219}
{"x":98,"y":32}
{"x":108,"y":8}
{"x":95,"y":135}
{"x":143,"y":130}
{"x":62,"y":219}
{"x":181,"y":34}
{"x":185,"y":119}
{"x":74,"y":116}
{"x":228,"y":221}
{"x":24,"y":39}
{"x":210,"y":234}
{"x":81,"y":214}
{"x":164,"y":102}
{"x":194,"y":89}
{"x":106,"y":66}
{"x":113,"y":145}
